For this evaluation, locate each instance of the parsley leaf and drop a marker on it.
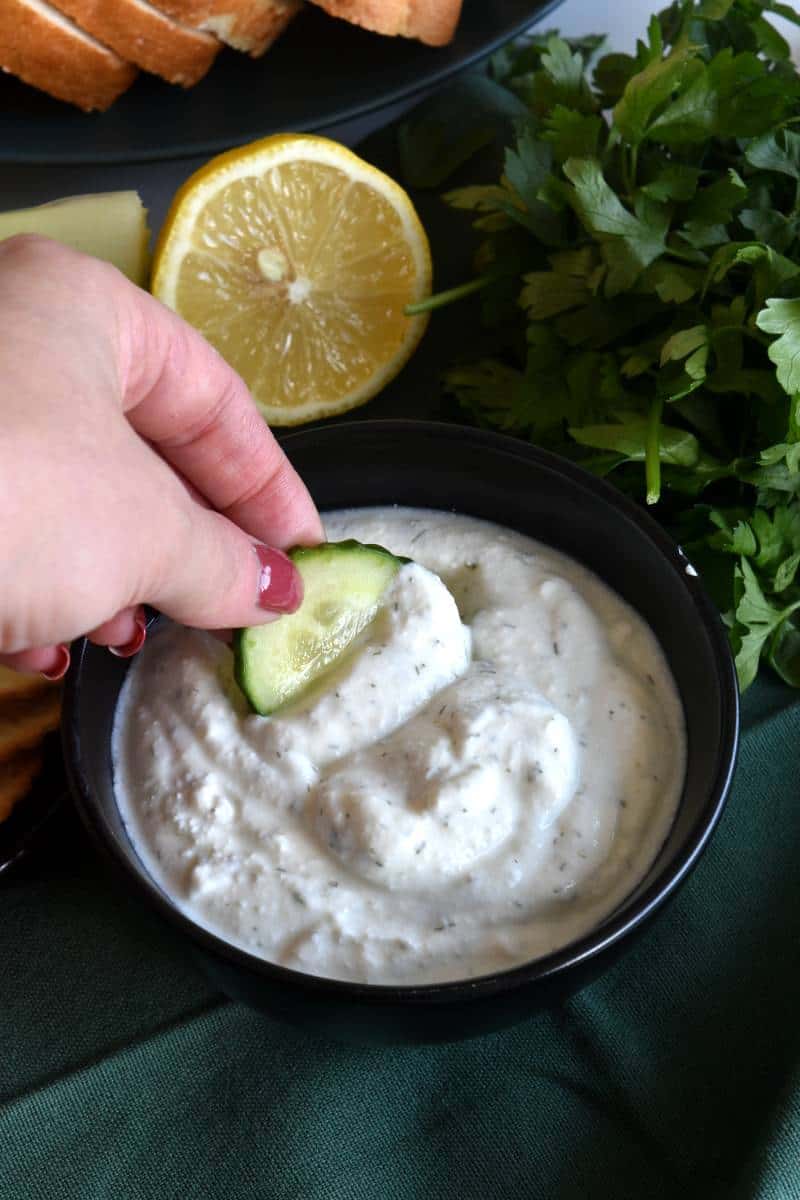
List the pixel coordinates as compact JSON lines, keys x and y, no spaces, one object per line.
{"x":638,"y":261}
{"x":757,"y":620}
{"x":628,"y":243}
{"x":782,"y":317}
{"x":629,"y":437}
{"x":672,"y":181}
{"x":647,"y":90}
{"x":566,"y":71}
{"x":776,"y":152}
{"x":571,"y":134}
{"x":734,"y":96}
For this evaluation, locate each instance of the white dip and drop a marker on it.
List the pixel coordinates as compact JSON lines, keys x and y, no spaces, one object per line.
{"x":457,"y":799}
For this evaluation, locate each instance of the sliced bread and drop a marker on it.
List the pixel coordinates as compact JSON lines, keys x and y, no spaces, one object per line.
{"x":14,"y":685}
{"x":40,"y":46}
{"x":431,"y":21}
{"x":146,"y":36}
{"x":16,"y":778}
{"x":249,"y":25}
{"x":23,"y":725}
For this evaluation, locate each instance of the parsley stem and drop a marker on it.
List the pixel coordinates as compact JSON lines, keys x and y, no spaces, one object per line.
{"x":652,"y":452}
{"x":440,"y":299}
{"x":753,"y":334}
{"x":628,"y":163}
{"x":686,"y":257}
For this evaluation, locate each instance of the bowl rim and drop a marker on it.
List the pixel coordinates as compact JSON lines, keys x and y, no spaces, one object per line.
{"x":597,"y":940}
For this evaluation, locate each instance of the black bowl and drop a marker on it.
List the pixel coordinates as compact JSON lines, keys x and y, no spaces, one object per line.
{"x":443,"y":466}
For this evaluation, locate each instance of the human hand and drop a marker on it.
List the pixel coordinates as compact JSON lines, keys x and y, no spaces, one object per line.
{"x":134,"y":468}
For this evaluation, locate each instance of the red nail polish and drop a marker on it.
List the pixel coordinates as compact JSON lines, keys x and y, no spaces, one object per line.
{"x":60,"y":666}
{"x":280,"y":588}
{"x":137,"y":641}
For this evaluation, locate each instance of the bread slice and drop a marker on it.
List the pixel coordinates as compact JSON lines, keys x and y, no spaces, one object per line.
{"x":146,"y":36}
{"x":14,"y":685}
{"x":40,"y":46}
{"x":16,"y":778}
{"x":249,"y":25}
{"x":22,"y":726}
{"x":431,"y":21}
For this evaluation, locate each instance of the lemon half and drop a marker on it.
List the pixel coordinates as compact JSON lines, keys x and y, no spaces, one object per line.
{"x":295,"y":259}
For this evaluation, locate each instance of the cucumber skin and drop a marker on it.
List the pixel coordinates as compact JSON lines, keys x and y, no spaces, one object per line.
{"x":297,"y":554}
{"x":239,"y":672}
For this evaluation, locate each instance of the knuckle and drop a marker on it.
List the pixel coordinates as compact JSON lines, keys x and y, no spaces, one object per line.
{"x":134,"y":336}
{"x":27,"y":250}
{"x":53,"y":268}
{"x":262,"y":476}
{"x":22,"y":248}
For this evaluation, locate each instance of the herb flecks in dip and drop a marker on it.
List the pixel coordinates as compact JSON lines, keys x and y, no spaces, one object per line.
{"x":481,"y":780}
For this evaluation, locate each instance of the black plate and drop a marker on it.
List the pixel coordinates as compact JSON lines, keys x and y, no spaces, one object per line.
{"x":21,"y":831}
{"x":321,"y":73}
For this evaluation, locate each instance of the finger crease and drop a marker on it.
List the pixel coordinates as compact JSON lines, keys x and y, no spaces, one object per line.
{"x":196,"y":433}
{"x":264,"y":487}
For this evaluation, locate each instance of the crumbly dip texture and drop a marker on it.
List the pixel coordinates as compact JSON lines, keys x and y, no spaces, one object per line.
{"x":483,"y":778}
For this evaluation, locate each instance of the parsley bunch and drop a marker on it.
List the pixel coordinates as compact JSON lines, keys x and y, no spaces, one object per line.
{"x":640,"y":274}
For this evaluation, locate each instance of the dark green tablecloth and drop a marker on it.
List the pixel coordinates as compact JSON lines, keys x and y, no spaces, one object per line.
{"x":677,"y":1074}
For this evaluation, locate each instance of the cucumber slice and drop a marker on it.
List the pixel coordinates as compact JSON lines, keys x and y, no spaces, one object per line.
{"x":343,"y":586}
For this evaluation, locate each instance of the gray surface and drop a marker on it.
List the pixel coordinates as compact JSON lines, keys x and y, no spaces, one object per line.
{"x":156,"y":182}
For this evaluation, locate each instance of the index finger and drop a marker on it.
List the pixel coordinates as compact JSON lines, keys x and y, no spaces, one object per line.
{"x":182,"y":396}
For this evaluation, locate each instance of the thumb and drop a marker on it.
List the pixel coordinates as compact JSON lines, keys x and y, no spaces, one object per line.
{"x":214,"y":576}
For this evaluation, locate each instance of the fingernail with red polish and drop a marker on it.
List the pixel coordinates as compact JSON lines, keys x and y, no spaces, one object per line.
{"x":60,"y":663}
{"x":280,"y":588}
{"x":137,"y":641}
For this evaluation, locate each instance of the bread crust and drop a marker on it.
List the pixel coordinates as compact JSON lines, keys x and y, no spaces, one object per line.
{"x":16,"y":685}
{"x":248,"y":25}
{"x":23,"y":725}
{"x":67,"y":65}
{"x":16,"y":778}
{"x":147,"y":37}
{"x":433,"y":22}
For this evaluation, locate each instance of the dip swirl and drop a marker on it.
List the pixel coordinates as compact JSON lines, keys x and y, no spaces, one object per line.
{"x":482,"y":779}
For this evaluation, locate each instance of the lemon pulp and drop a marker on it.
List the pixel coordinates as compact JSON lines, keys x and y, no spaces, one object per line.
{"x":298,"y":268}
